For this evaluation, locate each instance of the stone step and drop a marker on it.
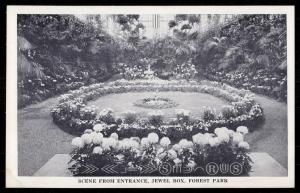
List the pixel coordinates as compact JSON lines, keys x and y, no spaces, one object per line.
{"x":264,"y":166}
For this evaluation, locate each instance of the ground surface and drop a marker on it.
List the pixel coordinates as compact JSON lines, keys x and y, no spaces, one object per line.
{"x":39,"y":138}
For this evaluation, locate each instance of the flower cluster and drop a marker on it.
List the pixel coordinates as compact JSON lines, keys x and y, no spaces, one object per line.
{"x":107,"y":115}
{"x":131,"y":72}
{"x":262,"y":82}
{"x":155,"y":103}
{"x":182,"y":115}
{"x":34,"y":90}
{"x":95,"y":147}
{"x":185,"y":71}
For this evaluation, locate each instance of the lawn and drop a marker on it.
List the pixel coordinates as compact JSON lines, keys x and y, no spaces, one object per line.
{"x":191,"y":101}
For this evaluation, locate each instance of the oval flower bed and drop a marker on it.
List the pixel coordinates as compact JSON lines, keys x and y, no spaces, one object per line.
{"x":110,"y":155}
{"x":73,"y":115}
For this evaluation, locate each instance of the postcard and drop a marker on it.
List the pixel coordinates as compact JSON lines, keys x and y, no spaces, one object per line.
{"x":150,"y":96}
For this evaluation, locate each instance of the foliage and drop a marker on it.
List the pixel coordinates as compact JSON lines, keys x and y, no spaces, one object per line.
{"x":263,"y":81}
{"x":130,"y":117}
{"x":185,"y":71}
{"x":61,"y":48}
{"x":209,"y":114}
{"x":155,"y":118}
{"x":229,"y":112}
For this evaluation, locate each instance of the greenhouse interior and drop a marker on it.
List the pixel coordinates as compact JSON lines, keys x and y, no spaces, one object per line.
{"x":136,"y":93}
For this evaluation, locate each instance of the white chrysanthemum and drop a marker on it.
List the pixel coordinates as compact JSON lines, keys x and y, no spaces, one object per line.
{"x":176,"y":147}
{"x":220,"y":130}
{"x":120,"y":157}
{"x":99,"y":127}
{"x":106,"y":111}
{"x":161,"y":155}
{"x":97,"y":150}
{"x":242,"y":129}
{"x":122,"y":145}
{"x":78,"y":142}
{"x":191,"y":164}
{"x":137,"y":139}
{"x":165,"y":142}
{"x":87,"y":138}
{"x":157,"y":160}
{"x":197,"y":138}
{"x":184,"y":143}
{"x":172,"y":154}
{"x":244,"y":145}
{"x":145,"y":143}
{"x":190,"y":144}
{"x":133,"y":144}
{"x":153,"y":138}
{"x":177,"y":161}
{"x":88,"y":131}
{"x":182,"y":112}
{"x":137,"y":151}
{"x":93,"y":134}
{"x":105,"y":147}
{"x":97,"y":138}
{"x":200,"y":139}
{"x":230,"y":132}
{"x":112,"y":142}
{"x":223,"y":136}
{"x":160,"y":150}
{"x":108,"y":143}
{"x":237,"y":138}
{"x":115,"y":136}
{"x":214,"y":141}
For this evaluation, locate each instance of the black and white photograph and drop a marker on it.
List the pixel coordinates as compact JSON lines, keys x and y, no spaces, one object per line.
{"x":119,"y":97}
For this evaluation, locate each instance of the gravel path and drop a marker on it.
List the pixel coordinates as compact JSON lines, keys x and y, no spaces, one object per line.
{"x":39,"y":138}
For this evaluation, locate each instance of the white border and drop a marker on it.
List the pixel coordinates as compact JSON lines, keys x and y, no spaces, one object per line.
{"x":12,"y":178}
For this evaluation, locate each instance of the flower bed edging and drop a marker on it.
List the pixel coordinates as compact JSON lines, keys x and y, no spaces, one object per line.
{"x":74,"y":115}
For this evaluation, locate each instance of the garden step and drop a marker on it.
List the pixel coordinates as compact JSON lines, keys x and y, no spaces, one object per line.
{"x":264,"y":165}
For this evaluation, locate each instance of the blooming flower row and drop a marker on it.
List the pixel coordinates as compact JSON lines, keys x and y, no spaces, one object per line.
{"x":242,"y":109}
{"x":137,"y":152}
{"x":263,"y":82}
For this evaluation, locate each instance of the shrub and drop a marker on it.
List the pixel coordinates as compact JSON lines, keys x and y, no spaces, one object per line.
{"x":23,"y":100}
{"x":155,"y":118}
{"x":130,"y":117}
{"x":209,"y":114}
{"x":229,"y":111}
{"x":107,"y":116}
{"x":182,"y":115}
{"x":87,"y":113}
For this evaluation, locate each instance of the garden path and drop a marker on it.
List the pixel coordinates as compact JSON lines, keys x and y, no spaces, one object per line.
{"x":39,"y":138}
{"x":271,"y":137}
